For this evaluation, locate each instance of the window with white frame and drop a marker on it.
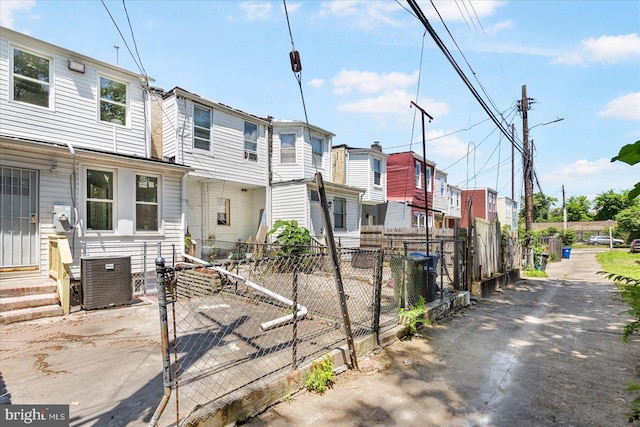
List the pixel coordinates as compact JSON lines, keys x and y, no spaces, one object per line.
{"x":100,"y":199}
{"x":427,"y":173}
{"x":287,"y":148}
{"x":418,"y":219}
{"x":339,"y":213}
{"x":250,"y":141}
{"x":224,"y":212}
{"x":313,"y":196}
{"x":418,"y":175}
{"x":31,"y":78}
{"x":201,"y":128}
{"x":317,"y":149}
{"x":147,"y":206}
{"x":113,"y":101}
{"x":377,"y":171}
{"x":442,"y":187}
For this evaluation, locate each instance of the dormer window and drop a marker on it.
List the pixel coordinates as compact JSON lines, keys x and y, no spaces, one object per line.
{"x":113,"y":101}
{"x":31,"y":78}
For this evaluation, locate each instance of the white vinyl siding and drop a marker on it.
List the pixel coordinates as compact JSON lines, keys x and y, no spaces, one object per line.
{"x":56,"y":189}
{"x":226,"y":159}
{"x":72,"y":115}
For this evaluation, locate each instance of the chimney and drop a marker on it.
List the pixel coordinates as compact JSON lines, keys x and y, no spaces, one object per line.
{"x":376,"y":146}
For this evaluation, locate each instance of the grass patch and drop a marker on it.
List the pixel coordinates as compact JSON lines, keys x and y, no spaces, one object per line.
{"x":532,"y":272}
{"x":621,"y":263}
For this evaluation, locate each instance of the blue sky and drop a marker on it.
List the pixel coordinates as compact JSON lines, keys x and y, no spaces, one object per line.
{"x":364,"y":61}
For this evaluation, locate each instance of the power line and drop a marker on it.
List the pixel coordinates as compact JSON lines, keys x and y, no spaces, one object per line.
{"x":133,"y":37}
{"x":124,"y":40}
{"x":464,"y":78}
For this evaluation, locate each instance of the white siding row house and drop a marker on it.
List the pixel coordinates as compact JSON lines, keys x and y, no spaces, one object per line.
{"x":92,"y":152}
{"x":75,"y":158}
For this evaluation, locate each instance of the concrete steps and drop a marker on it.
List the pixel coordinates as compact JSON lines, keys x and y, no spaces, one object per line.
{"x":28,"y":300}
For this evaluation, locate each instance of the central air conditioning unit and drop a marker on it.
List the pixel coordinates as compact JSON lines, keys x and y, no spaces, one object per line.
{"x":106,"y":281}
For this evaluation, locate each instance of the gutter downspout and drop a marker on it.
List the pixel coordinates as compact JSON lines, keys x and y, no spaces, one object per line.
{"x":302,"y":310}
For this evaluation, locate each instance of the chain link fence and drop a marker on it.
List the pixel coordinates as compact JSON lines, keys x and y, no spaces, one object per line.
{"x":236,"y":325}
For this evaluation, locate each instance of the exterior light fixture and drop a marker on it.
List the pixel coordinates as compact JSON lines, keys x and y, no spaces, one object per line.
{"x":76,"y":66}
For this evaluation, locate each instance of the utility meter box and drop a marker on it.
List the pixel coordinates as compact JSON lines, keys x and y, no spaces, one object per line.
{"x":61,"y":218}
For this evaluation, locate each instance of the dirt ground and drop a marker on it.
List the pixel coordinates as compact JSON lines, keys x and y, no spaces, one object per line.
{"x":542,"y":352}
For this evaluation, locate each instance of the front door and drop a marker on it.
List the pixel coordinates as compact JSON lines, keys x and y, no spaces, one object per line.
{"x":18,"y":218}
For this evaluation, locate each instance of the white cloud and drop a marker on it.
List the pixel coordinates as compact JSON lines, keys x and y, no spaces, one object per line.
{"x":625,"y":107}
{"x":9,"y":7}
{"x":393,"y":102}
{"x":583,"y":176}
{"x":256,"y":11}
{"x":605,"y":50}
{"x":362,"y":13}
{"x":369,"y":82}
{"x":449,"y":146}
{"x":463,"y":11}
{"x":499,"y":26}
{"x":318,"y":83}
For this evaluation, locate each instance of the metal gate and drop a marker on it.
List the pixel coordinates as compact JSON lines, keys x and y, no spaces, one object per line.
{"x":18,"y":217}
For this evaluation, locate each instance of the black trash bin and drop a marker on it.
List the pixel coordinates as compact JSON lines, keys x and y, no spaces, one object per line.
{"x":430,"y":267}
{"x":543,"y":261}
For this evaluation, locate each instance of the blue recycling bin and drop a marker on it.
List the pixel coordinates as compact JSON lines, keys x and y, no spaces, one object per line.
{"x":566,"y":252}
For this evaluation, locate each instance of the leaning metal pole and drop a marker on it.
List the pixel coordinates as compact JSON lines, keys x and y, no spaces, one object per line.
{"x":164,"y":333}
{"x":336,"y":271}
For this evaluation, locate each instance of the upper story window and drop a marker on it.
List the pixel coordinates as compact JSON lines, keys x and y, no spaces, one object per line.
{"x":427,"y":173}
{"x":377,"y":171}
{"x":113,"y":101}
{"x":339,"y":213}
{"x":147,"y":207}
{"x":287,"y":148}
{"x":201,"y":128}
{"x":317,"y":148}
{"x":100,"y":199}
{"x":442,"y":187}
{"x":250,"y":141}
{"x":31,"y":78}
{"x":418,"y":175}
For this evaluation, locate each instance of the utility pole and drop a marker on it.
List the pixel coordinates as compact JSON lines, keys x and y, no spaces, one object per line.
{"x":564,"y":210}
{"x":513,"y":185}
{"x":527,"y":168}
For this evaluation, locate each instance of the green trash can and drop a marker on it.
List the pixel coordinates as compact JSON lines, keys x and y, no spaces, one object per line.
{"x":416,"y":279}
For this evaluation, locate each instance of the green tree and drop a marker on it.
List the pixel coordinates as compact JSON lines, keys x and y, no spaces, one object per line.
{"x":578,"y":208}
{"x":608,"y":204}
{"x":541,"y":207}
{"x":629,"y":221}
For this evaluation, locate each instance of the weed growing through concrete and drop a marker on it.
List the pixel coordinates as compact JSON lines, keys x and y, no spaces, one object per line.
{"x":414,"y":317}
{"x":321,"y":376}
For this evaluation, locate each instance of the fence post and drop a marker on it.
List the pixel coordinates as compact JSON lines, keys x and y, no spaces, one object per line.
{"x":294,"y":299}
{"x":442,"y":261}
{"x":377,"y":294}
{"x":164,"y":334}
